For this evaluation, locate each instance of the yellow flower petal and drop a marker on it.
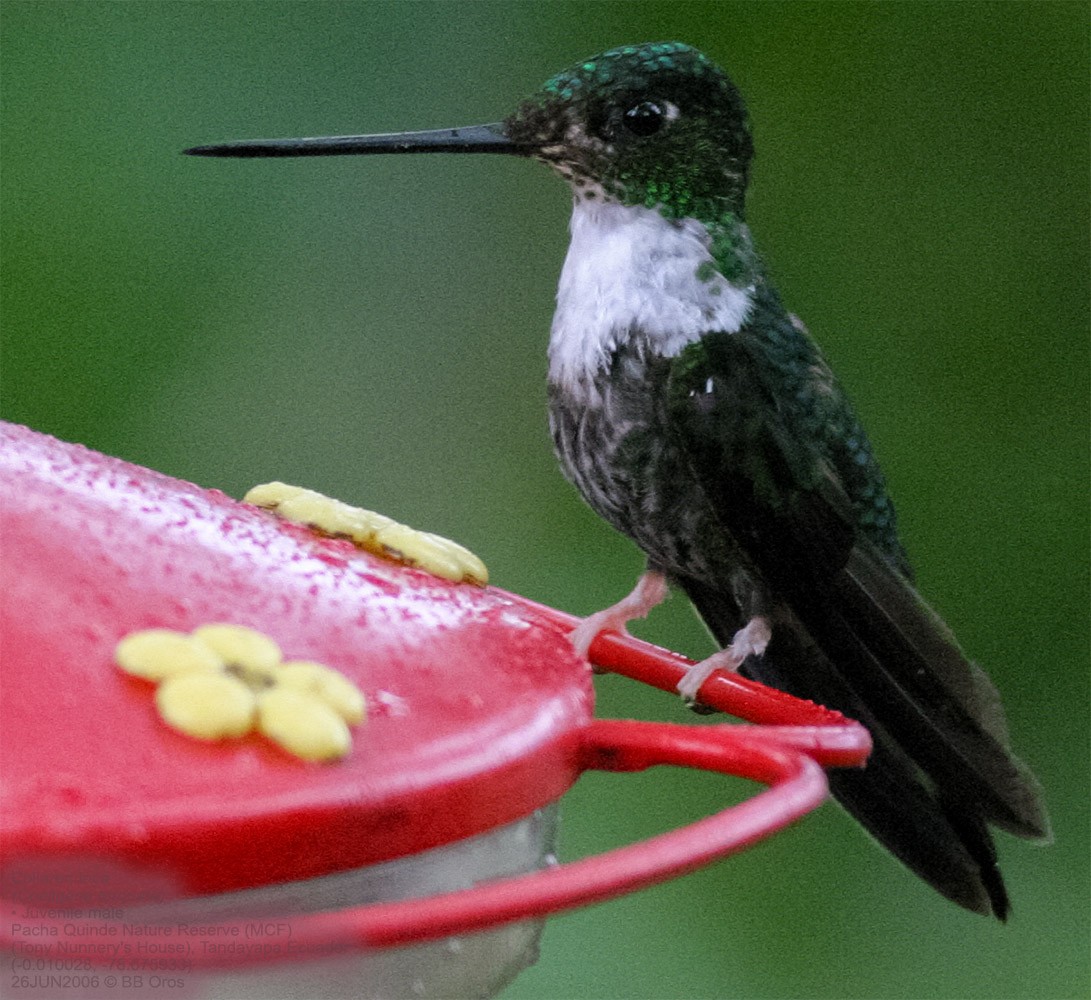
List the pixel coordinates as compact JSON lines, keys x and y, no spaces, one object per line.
{"x":206,"y":706}
{"x":303,"y":725}
{"x":473,"y":569}
{"x":365,"y":526}
{"x":336,"y":690}
{"x":316,"y":510}
{"x":240,"y":646}
{"x":159,"y":652}
{"x":271,"y":495}
{"x":437,"y":555}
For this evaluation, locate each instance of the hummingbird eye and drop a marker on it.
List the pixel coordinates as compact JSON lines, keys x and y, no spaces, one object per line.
{"x":645,"y":118}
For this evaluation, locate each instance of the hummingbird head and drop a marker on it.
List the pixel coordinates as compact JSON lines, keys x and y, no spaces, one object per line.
{"x":658,"y":125}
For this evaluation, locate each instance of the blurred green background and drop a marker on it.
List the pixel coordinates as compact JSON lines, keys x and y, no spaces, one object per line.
{"x":376,"y":329}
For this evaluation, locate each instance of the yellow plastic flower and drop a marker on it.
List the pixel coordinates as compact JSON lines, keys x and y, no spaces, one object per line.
{"x":373,"y":532}
{"x":223,"y":680}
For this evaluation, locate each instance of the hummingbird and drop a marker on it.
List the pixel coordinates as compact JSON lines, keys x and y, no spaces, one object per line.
{"x":697,"y":415}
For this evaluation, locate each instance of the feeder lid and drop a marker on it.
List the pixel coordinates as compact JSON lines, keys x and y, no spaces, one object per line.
{"x":473,"y":702}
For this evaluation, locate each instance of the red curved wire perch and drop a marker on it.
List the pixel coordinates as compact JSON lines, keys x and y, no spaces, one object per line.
{"x":824,"y":734}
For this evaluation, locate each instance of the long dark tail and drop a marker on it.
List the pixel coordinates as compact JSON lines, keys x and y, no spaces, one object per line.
{"x":941,"y":769}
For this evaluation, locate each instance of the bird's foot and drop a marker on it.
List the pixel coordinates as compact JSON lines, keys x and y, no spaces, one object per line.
{"x":650,"y":590}
{"x":750,"y":640}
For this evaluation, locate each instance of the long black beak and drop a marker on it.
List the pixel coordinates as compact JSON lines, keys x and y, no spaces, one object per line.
{"x":472,"y":139}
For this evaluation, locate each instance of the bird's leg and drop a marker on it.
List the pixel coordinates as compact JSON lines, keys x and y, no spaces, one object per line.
{"x":650,"y":590}
{"x":751,"y":639}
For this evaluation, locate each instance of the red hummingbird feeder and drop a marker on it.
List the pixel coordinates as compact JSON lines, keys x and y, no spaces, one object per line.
{"x":420,"y":859}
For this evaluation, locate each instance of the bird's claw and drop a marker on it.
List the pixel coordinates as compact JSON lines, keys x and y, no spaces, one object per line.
{"x":649,"y":591}
{"x":750,"y":640}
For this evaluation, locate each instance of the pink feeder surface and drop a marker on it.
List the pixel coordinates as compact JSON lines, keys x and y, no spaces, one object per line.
{"x":94,"y":548}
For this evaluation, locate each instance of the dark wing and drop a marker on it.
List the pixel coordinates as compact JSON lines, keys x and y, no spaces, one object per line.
{"x":849,"y":629}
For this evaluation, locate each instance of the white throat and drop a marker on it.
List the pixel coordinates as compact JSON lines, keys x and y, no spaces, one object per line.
{"x":629,"y":273}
